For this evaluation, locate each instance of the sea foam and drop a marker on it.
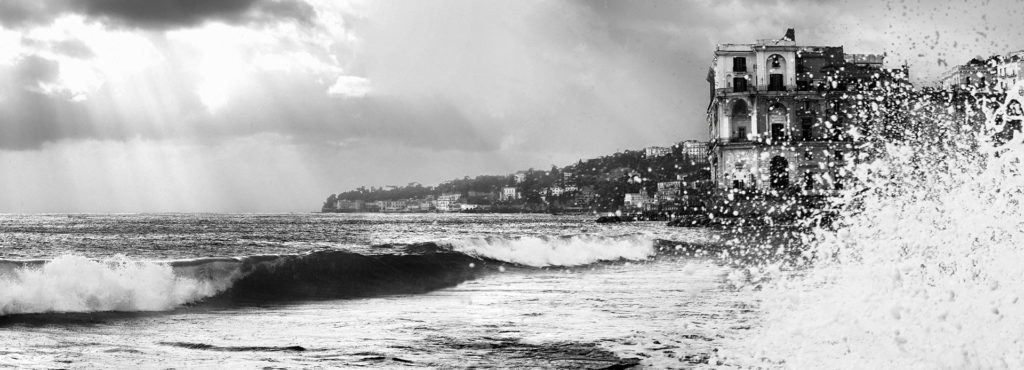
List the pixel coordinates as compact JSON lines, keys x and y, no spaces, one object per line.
{"x":575,"y":250}
{"x":78,"y":284}
{"x":924,"y":271}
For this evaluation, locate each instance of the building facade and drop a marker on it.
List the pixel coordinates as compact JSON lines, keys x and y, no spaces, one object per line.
{"x":509,"y":193}
{"x":449,"y":202}
{"x":669,"y":191}
{"x":977,"y":73}
{"x":696,"y":151}
{"x":1009,"y":68}
{"x":656,"y":151}
{"x":776,"y":115}
{"x":636,"y":200}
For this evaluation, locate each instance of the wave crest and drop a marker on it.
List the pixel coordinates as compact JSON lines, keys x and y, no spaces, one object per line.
{"x":78,"y":284}
{"x":576,"y":250}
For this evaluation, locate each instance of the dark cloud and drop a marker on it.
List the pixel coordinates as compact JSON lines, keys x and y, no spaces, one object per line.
{"x":157,"y":14}
{"x":28,"y":117}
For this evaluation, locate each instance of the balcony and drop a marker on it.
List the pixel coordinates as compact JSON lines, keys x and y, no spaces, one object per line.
{"x":763,"y":89}
{"x":764,"y":139}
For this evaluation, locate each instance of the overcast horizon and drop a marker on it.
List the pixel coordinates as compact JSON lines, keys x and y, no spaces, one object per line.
{"x":271,"y":105}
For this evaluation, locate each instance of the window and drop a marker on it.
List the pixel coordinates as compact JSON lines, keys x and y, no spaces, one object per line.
{"x":739,"y":84}
{"x":741,"y":133}
{"x":775,"y":82}
{"x":776,"y":63}
{"x":806,"y":128}
{"x":839,"y":156}
{"x":739,"y":64}
{"x":809,"y":181}
{"x":778,"y":131}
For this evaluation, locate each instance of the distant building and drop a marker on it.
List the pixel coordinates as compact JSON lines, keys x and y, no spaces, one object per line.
{"x":777,"y":113}
{"x":566,"y":178}
{"x":697,"y":151}
{"x":449,"y":202}
{"x":669,"y":191}
{"x":392,"y":206}
{"x":656,"y":151}
{"x":372,"y":206}
{"x":520,"y":177}
{"x":636,"y":200}
{"x":1009,"y":69}
{"x":509,"y":193}
{"x":976,"y":73}
{"x":559,"y":190}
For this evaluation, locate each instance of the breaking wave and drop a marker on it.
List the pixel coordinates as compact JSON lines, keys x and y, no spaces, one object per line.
{"x":924,"y":271}
{"x":77,"y":284}
{"x":542,"y":251}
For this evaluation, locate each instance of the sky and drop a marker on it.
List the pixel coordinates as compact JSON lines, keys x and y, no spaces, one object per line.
{"x":271,"y":105}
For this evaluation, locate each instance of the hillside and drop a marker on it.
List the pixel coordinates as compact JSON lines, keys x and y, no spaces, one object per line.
{"x":598,"y":184}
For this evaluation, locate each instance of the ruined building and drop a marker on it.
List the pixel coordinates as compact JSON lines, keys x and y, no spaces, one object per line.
{"x":779,"y":114}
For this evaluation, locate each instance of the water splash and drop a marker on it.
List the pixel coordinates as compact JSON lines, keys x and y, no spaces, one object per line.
{"x":78,"y":284}
{"x":923,"y":271}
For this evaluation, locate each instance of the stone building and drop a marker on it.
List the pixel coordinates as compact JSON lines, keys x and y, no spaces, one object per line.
{"x":977,"y":73}
{"x":1009,"y":69}
{"x":696,"y":151}
{"x":636,"y":200}
{"x":509,"y":193}
{"x":669,"y":191}
{"x":449,"y":202}
{"x":656,"y":151}
{"x":777,"y":112}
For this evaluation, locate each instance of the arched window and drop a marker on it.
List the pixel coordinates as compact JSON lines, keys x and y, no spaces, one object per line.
{"x":776,"y":68}
{"x":740,"y":117}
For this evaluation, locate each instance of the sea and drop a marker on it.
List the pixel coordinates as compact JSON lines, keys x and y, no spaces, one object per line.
{"x":363,"y":290}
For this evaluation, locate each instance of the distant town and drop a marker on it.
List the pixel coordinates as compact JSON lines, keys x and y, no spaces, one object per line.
{"x":652,"y":178}
{"x":782,"y":119}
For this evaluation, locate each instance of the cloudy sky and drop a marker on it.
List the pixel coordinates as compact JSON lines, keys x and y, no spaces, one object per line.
{"x":271,"y":105}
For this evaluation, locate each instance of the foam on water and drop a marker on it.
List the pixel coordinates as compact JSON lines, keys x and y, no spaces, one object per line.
{"x":78,"y":284}
{"x":924,"y":271}
{"x":573,"y":250}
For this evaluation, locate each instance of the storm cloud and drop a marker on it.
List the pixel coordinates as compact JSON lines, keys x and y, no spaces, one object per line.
{"x":158,"y":14}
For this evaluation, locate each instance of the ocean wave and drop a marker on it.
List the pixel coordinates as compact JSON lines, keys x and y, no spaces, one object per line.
{"x":70,"y":283}
{"x":78,"y":284}
{"x":575,"y":250}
